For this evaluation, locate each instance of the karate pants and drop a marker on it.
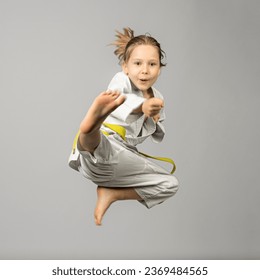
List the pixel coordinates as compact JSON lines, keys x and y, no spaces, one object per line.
{"x":114,"y":164}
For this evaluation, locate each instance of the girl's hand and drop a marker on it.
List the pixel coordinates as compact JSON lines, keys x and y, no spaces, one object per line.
{"x":156,"y":118}
{"x":152,"y":107}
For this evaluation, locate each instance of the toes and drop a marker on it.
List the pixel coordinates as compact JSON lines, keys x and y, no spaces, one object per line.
{"x":113,"y":93}
{"x":120,"y":99}
{"x":97,"y":222}
{"x":98,"y":219}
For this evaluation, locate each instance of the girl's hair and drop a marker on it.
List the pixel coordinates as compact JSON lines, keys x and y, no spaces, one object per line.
{"x":126,"y":42}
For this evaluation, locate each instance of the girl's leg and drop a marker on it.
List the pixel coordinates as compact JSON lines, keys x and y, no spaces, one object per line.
{"x":136,"y":178}
{"x":89,"y":139}
{"x":102,"y":106}
{"x":106,"y":196}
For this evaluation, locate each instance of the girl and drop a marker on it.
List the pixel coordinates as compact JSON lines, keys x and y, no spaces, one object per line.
{"x":130,"y":111}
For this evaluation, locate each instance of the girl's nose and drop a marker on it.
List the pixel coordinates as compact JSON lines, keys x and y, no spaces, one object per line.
{"x":144,"y":68}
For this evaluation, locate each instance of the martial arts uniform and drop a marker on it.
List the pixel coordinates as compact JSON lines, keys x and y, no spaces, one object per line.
{"x":116,"y":162}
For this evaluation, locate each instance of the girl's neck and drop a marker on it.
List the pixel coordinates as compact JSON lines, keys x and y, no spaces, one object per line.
{"x":148,"y":93}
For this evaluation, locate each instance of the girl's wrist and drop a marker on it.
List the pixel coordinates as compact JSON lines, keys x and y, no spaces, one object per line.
{"x":138,"y":110}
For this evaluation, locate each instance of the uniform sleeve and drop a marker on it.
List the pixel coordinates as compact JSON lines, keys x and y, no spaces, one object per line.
{"x":159,"y":133}
{"x":122,"y":83}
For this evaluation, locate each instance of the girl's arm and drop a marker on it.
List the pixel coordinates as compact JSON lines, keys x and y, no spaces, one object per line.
{"x":159,"y":133}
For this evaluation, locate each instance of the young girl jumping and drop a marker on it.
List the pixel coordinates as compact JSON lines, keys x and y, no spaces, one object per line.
{"x":127,"y":113}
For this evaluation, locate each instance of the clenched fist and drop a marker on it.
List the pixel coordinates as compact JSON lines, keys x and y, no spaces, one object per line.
{"x":152,"y":106}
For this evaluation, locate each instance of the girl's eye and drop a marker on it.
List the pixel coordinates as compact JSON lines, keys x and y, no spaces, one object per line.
{"x":138,"y":63}
{"x":153,"y":64}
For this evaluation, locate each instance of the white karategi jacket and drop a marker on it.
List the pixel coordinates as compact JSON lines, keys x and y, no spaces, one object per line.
{"x":137,"y":126}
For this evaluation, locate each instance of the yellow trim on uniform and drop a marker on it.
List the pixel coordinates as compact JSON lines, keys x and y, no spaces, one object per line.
{"x":120,"y":130}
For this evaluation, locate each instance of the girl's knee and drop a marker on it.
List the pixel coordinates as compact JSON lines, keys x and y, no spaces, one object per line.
{"x":173,"y":185}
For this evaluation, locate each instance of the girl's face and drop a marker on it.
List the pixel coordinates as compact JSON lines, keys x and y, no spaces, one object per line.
{"x":143,"y":67}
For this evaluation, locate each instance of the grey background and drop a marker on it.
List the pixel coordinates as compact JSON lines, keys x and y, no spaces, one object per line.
{"x":55,"y":59}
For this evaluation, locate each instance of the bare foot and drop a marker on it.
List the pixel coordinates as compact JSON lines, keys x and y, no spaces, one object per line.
{"x":102,"y":106}
{"x":105,"y":197}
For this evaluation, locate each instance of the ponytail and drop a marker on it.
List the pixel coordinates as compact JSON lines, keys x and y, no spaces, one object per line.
{"x":122,"y":41}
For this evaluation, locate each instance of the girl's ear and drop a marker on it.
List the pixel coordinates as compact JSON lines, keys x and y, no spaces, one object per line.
{"x":124,"y":68}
